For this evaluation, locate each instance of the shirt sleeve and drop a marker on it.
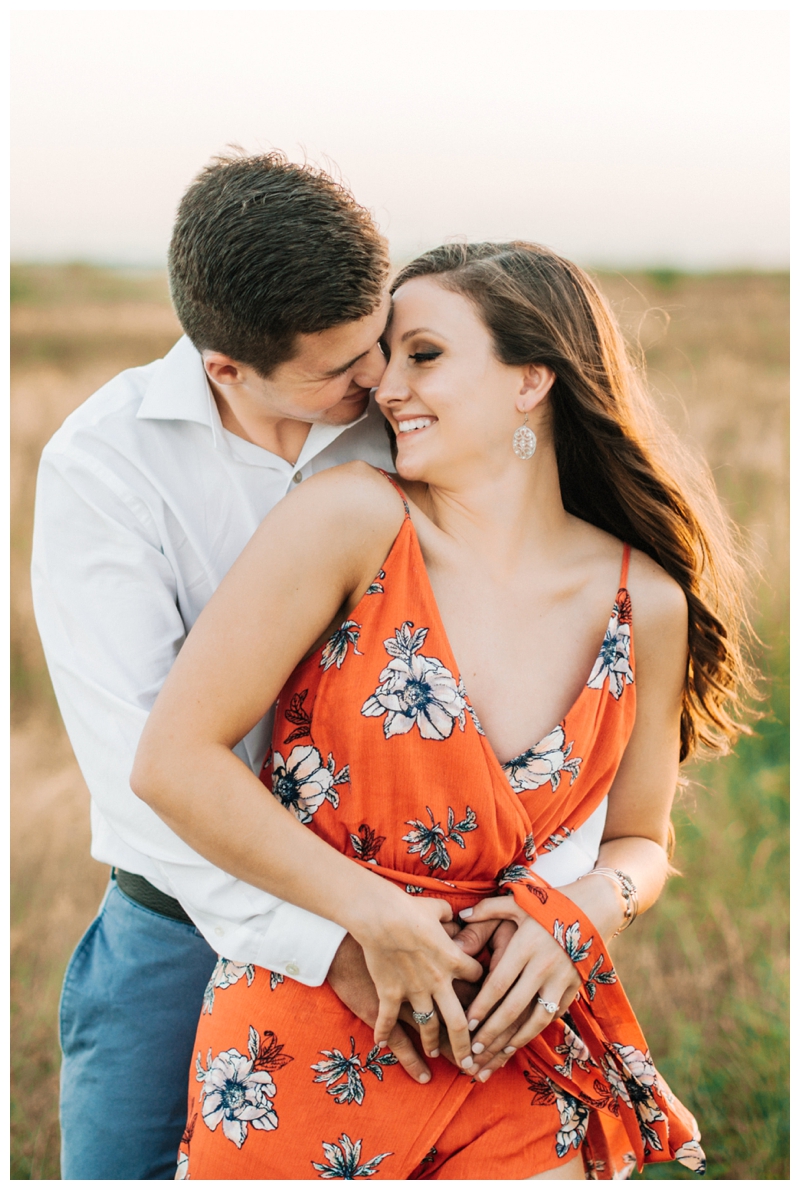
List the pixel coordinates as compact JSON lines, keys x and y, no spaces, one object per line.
{"x":106,"y":605}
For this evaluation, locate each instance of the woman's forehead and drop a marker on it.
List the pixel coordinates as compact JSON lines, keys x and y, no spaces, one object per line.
{"x":424,"y":304}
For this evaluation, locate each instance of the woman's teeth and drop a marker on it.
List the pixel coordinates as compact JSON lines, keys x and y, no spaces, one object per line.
{"x":414,"y":423}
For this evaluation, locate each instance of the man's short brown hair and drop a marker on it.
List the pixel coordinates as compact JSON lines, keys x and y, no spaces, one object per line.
{"x":264,"y":250}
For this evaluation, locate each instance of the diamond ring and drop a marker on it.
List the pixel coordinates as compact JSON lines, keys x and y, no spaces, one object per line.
{"x":547,"y":1005}
{"x":422,"y":1018}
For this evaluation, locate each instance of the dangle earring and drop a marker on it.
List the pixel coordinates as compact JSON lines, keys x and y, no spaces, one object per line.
{"x":524,"y":441}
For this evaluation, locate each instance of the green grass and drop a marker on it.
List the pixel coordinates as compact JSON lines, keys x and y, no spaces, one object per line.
{"x":714,"y":1006}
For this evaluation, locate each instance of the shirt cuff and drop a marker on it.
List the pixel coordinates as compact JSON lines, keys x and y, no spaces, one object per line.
{"x":300,"y":944}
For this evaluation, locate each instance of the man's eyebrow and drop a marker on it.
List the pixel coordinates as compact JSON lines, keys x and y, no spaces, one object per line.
{"x":344,"y":367}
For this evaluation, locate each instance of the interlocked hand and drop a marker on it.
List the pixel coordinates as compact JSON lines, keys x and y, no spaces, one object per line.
{"x":528,"y":966}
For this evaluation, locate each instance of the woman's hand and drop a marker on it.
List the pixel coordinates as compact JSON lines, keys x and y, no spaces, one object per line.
{"x":531,"y":965}
{"x":411,"y":958}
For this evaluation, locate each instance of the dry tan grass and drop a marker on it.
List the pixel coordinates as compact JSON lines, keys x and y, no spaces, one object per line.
{"x":717,"y":356}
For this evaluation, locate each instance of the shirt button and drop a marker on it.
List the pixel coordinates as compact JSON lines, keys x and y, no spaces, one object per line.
{"x":292,"y":969}
{"x":298,"y":475}
{"x":219,"y":931}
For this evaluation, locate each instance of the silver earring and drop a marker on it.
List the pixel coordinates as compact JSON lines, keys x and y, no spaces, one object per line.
{"x":524,"y":441}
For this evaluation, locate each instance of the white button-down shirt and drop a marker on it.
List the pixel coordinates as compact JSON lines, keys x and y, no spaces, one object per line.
{"x":143,"y":503}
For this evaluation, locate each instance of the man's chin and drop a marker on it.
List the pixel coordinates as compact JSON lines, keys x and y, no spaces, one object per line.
{"x":347,"y":411}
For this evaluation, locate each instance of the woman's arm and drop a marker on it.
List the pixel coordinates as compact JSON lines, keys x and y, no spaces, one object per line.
{"x":312,"y":559}
{"x":635,"y":836}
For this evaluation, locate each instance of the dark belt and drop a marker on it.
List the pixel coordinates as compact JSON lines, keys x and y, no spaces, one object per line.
{"x":149,"y":897}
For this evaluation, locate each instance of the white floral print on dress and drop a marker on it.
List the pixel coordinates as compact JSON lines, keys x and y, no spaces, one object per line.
{"x":225,"y":974}
{"x":344,"y":1160}
{"x":573,"y":1115}
{"x":414,"y":689}
{"x":574,"y":1122}
{"x":335,"y":649}
{"x":235,"y":1095}
{"x":303,"y":783}
{"x":613,"y":661}
{"x":544,"y":762}
{"x":476,"y":723}
{"x":575,"y":1051}
{"x":635,"y":1086}
{"x":342,"y":1074}
{"x":557,"y":838}
{"x":692,"y":1156}
{"x":430,"y":842}
{"x":237,"y":1090}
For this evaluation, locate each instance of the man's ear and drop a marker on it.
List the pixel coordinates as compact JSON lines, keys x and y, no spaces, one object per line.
{"x":221,"y":369}
{"x":537,"y":380}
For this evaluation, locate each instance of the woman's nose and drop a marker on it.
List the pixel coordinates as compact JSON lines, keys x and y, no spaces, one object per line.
{"x":392,"y":389}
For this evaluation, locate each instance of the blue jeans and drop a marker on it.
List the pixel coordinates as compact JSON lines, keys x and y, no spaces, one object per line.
{"x":129,"y":1010}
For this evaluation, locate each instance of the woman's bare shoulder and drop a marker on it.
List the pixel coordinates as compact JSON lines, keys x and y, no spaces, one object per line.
{"x":349,"y":509}
{"x":660,"y":610}
{"x":354,"y":488}
{"x":658,"y":596}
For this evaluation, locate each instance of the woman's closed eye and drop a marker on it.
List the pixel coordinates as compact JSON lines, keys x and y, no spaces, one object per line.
{"x":422,"y":357}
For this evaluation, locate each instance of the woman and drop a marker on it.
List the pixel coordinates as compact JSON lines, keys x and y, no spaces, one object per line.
{"x":443,"y":629}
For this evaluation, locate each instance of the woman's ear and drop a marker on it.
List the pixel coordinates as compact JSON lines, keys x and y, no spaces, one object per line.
{"x":537,"y":380}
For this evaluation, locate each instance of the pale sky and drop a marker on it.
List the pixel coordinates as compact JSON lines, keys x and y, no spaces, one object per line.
{"x":620,"y":138}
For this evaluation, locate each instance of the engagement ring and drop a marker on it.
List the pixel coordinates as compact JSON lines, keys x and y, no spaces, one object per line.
{"x":422,"y":1018}
{"x":547,"y":1005}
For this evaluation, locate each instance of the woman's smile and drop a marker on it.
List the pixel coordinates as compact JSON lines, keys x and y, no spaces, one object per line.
{"x":414,"y":425}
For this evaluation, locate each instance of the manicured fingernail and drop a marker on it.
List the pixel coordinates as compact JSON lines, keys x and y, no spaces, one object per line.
{"x":425,"y":1077}
{"x":434,"y":1054}
{"x":477,"y":1047}
{"x":471,"y":1025}
{"x":465,"y":913}
{"x":467,"y":1062}
{"x":484,"y":1076}
{"x":510,"y":1049}
{"x":382,"y":1043}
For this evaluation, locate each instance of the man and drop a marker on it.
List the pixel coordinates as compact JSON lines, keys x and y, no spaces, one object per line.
{"x":146,"y":496}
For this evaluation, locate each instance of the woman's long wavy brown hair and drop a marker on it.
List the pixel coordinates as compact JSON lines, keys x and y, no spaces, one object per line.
{"x":620,"y":465}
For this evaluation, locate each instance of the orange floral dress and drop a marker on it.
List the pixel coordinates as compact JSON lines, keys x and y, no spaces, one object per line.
{"x":377,"y":749}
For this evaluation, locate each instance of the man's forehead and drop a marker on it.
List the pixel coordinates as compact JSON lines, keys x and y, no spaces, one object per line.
{"x":327,"y":352}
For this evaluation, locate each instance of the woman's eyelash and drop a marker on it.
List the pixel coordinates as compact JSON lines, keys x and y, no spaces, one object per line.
{"x":421,"y":356}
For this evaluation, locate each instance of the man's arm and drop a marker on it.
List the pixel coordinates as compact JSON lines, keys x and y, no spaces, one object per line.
{"x":105,"y":598}
{"x":106,"y":605}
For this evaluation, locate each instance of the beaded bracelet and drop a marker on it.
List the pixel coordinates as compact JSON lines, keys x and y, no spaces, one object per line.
{"x":626,"y":887}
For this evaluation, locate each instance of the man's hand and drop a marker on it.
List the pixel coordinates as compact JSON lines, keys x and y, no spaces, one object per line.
{"x":351,"y":981}
{"x":477,"y":935}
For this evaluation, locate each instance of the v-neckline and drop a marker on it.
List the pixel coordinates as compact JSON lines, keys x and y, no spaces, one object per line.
{"x":503,"y":764}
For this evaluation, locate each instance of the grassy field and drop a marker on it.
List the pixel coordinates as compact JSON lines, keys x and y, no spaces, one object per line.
{"x":707,"y":969}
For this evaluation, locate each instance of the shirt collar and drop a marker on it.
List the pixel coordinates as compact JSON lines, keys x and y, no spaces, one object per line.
{"x":180,"y":391}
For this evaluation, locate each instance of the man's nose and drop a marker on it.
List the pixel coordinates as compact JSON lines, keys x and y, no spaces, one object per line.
{"x":371,"y":368}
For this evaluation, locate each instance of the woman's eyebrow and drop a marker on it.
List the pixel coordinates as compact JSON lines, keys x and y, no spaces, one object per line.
{"x":421,"y":330}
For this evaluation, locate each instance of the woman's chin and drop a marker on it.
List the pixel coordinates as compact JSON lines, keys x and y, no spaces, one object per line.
{"x":409,"y":464}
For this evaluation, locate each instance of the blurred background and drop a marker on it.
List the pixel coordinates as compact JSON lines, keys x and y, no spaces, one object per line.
{"x":648,"y":146}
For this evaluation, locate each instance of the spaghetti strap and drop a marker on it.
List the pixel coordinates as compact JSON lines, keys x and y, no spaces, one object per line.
{"x":626,"y":557}
{"x":397,"y":488}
